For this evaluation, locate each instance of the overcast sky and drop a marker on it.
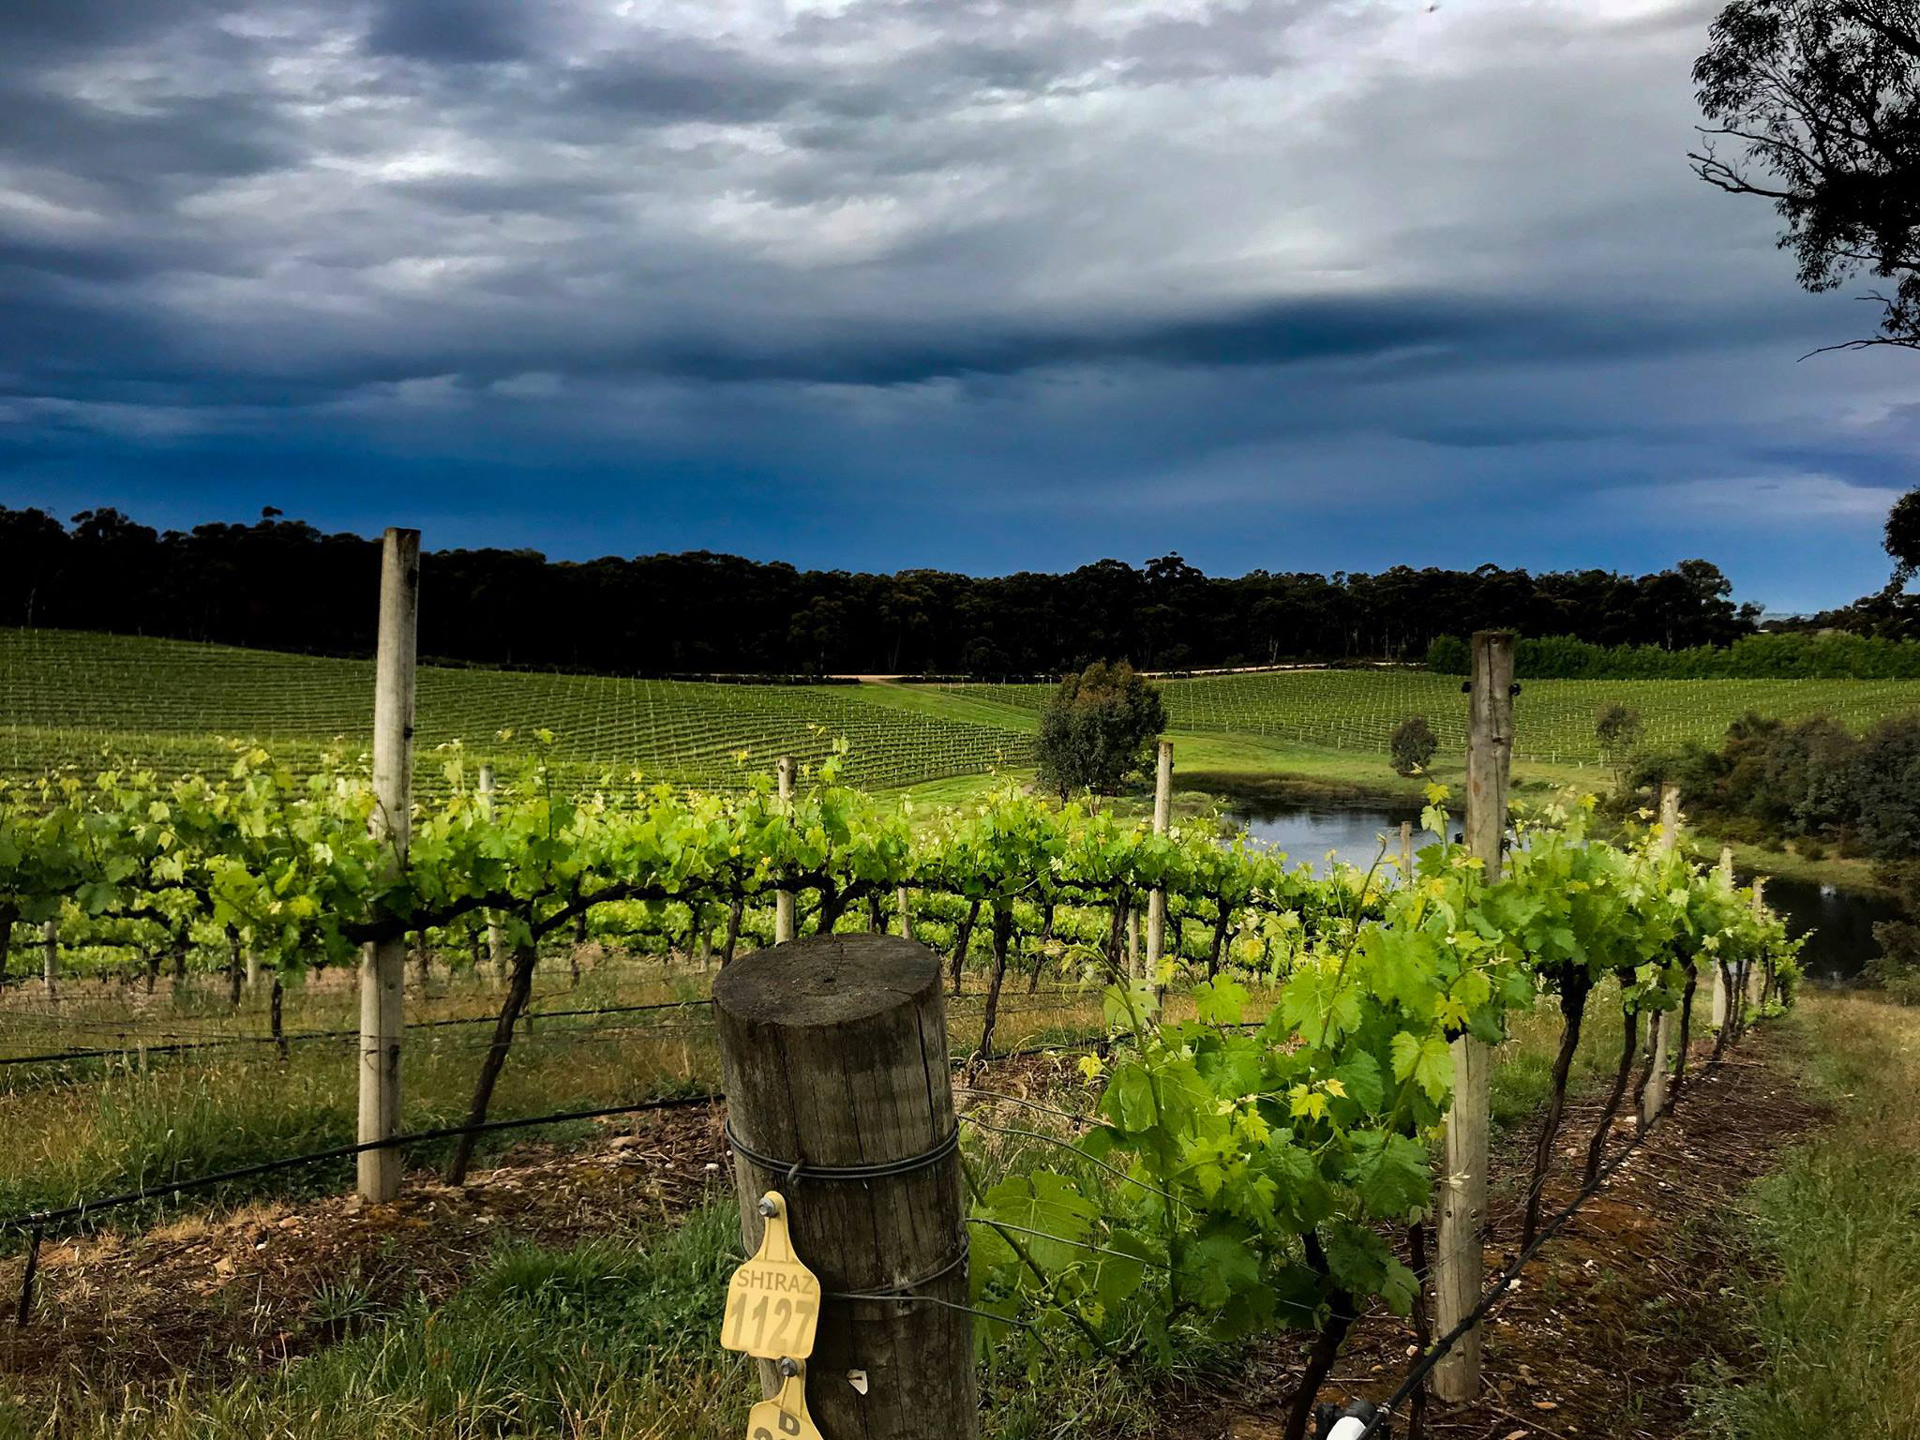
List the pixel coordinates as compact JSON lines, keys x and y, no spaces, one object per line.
{"x":1292,"y":284}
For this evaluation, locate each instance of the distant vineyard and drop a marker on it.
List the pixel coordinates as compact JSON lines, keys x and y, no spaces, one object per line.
{"x":1357,"y":709}
{"x":66,"y":696}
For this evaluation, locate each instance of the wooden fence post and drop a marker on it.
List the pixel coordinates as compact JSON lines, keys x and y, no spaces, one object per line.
{"x":834,"y":1056}
{"x":1654,"y":1098}
{"x":1459,"y":1259}
{"x":1157,"y":897}
{"x":783,"y":899}
{"x":50,"y":956}
{"x":383,"y":966}
{"x":1406,"y":852}
{"x":1758,"y":979}
{"x":499,"y":958}
{"x":905,"y":903}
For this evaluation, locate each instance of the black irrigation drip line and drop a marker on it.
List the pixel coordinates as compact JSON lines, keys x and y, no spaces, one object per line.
{"x":41,"y":1219}
{"x":571,"y":1035}
{"x":135,"y":1047}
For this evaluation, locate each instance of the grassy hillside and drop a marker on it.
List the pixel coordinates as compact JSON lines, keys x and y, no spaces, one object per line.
{"x":67,"y":697}
{"x":1357,"y":709}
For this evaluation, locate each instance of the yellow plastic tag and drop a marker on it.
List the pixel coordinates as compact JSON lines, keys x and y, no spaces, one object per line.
{"x":773,"y":1302}
{"x":785,"y":1416}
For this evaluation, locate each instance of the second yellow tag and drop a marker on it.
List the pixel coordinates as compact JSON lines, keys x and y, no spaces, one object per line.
{"x":785,"y":1416}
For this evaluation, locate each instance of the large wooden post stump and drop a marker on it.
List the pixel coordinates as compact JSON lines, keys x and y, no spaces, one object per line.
{"x":834,"y":1052}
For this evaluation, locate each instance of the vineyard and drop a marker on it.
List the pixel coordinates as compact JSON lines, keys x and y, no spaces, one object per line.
{"x":1264,"y":1082}
{"x":1357,"y":709}
{"x":67,"y":697}
{"x":1110,"y":1094}
{"x":70,"y":698}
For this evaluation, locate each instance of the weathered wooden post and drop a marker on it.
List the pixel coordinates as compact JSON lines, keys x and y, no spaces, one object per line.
{"x":1721,"y":999}
{"x":1653,"y":1099}
{"x":1406,"y":852}
{"x":834,"y":1055}
{"x":1759,"y":979}
{"x":904,"y":901}
{"x":1459,"y":1259}
{"x":1157,"y":897}
{"x":499,"y":957}
{"x":50,"y":956}
{"x":383,"y":966}
{"x":783,"y":898}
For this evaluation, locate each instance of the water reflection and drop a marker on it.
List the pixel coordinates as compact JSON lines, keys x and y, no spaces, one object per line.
{"x":1840,"y":925}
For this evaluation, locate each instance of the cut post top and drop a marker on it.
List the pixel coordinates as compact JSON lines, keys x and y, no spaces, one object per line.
{"x":826,"y":980}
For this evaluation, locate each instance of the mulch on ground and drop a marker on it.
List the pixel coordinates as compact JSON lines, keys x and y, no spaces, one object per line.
{"x":252,"y":1288}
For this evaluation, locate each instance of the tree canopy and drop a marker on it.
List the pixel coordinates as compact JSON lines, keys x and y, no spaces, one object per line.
{"x":283,"y":584}
{"x":1818,"y":102}
{"x":1098,"y":729}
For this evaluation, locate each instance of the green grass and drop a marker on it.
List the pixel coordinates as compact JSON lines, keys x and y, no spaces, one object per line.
{"x":1830,"y":1312}
{"x":606,"y":1338}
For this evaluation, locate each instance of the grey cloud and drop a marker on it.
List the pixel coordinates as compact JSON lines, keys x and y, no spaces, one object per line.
{"x":893,"y":239}
{"x":454,"y":31}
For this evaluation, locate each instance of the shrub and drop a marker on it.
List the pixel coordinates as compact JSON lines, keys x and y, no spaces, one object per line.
{"x":1412,"y":745}
{"x":1448,"y":655}
{"x":1098,"y":729}
{"x":1618,"y":729}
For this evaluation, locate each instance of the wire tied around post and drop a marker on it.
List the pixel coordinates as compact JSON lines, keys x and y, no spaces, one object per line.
{"x":797,"y":1170}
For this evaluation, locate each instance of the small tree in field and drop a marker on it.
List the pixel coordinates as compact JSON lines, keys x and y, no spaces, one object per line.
{"x":1098,"y":729}
{"x":1618,"y":729}
{"x":1412,"y":745}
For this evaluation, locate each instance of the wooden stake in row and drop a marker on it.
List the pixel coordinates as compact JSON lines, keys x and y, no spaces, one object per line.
{"x":1157,"y":897}
{"x":1459,"y":1261}
{"x":383,"y":966}
{"x":1654,"y":1098}
{"x":498,"y":956}
{"x":783,"y":927}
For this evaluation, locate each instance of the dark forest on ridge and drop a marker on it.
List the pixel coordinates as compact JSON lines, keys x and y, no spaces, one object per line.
{"x":283,"y":584}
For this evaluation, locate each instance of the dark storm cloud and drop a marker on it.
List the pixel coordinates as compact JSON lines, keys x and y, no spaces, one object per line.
{"x":456,"y":31}
{"x":1191,"y":258}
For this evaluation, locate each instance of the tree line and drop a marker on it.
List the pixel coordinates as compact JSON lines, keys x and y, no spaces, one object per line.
{"x":1786,"y":655}
{"x":284,"y":584}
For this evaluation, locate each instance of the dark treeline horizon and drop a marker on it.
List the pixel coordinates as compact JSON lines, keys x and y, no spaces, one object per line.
{"x":283,"y":584}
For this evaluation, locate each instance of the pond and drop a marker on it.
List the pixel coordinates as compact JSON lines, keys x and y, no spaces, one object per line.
{"x":1839,"y":924}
